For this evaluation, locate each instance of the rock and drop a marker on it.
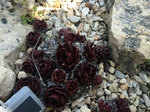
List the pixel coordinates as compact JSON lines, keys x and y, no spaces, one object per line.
{"x":138,"y":79}
{"x":122,"y":96}
{"x":119,"y":74}
{"x":56,"y":21}
{"x":129,"y":25}
{"x":103,"y":84}
{"x":76,"y":102}
{"x":7,"y":81}
{"x":85,"y":109}
{"x":133,"y":108}
{"x":18,"y":62}
{"x":21,"y":74}
{"x":101,"y":3}
{"x":113,"y":87}
{"x":88,"y":100}
{"x":113,"y":96}
{"x":12,"y":32}
{"x":146,"y":100}
{"x":107,"y":92}
{"x":92,"y":2}
{"x":49,"y":24}
{"x":111,"y":78}
{"x":29,"y":50}
{"x":49,"y":33}
{"x":74,"y":19}
{"x":129,"y":81}
{"x":67,"y":109}
{"x":21,"y":55}
{"x":144,"y":77}
{"x":123,"y":81}
{"x":85,"y":11}
{"x":132,"y":96}
{"x":125,"y":94}
{"x":100,"y":92}
{"x":86,"y":27}
{"x":144,"y":88}
{"x":124,"y":86}
{"x":136,"y":103}
{"x":111,"y":70}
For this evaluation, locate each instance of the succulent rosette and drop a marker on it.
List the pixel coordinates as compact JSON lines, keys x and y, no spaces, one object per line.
{"x":80,"y":38}
{"x":46,"y":67}
{"x":122,"y":105}
{"x":103,"y":53}
{"x":71,"y":87}
{"x":64,"y":31}
{"x":67,"y":56}
{"x":40,"y":25}
{"x":32,"y":82}
{"x":55,"y":97}
{"x":104,"y":106}
{"x":59,"y":76}
{"x":28,"y":66}
{"x":37,"y":54}
{"x":85,"y":73}
{"x":33,"y":38}
{"x":97,"y":80}
{"x":90,"y":52}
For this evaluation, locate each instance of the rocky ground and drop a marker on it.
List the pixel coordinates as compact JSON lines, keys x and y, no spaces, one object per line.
{"x":87,"y":17}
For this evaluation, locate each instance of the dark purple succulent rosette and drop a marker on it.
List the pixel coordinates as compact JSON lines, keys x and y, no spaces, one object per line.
{"x":71,"y":87}
{"x":28,"y":66}
{"x":46,"y":67}
{"x":64,"y":31}
{"x":59,"y":76}
{"x":85,"y":73}
{"x":55,"y":97}
{"x":80,"y":38}
{"x":33,"y":38}
{"x":67,"y":56}
{"x":122,"y":105}
{"x":97,"y":80}
{"x":37,"y":54}
{"x":32,"y":82}
{"x":40,"y":25}
{"x":104,"y":106}
{"x":90,"y":52}
{"x":102,"y":53}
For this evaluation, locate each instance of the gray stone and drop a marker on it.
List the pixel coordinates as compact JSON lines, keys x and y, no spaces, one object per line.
{"x":144,"y":88}
{"x":138,"y":79}
{"x":74,"y":19}
{"x":119,"y":74}
{"x":146,"y":100}
{"x":85,"y":109}
{"x":144,"y":77}
{"x":85,"y":11}
{"x":129,"y":32}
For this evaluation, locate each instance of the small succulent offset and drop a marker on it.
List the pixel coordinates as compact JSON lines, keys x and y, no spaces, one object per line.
{"x":65,"y":72}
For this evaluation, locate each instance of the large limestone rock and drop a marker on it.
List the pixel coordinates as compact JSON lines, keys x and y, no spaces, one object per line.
{"x":12,"y":40}
{"x":129,"y":34}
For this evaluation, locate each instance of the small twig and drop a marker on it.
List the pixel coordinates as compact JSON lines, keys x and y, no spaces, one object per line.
{"x":35,"y":62}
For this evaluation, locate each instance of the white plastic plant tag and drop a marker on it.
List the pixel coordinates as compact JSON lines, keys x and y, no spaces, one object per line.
{"x":23,"y":101}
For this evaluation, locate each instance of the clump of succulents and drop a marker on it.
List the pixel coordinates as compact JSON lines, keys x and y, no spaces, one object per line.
{"x":65,"y":72}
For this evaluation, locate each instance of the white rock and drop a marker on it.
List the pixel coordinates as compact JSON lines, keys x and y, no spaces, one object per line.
{"x":101,"y":3}
{"x":125,"y":94}
{"x":100,"y":92}
{"x":92,"y":2}
{"x":133,"y":108}
{"x":85,"y":109}
{"x":136,"y":103}
{"x":85,"y":11}
{"x":18,"y":62}
{"x":107,"y":92}
{"x":21,"y":54}
{"x":122,"y":81}
{"x":88,"y":100}
{"x":144,"y":77}
{"x":76,"y":102}
{"x":104,"y":84}
{"x":56,"y":21}
{"x":21,"y":74}
{"x":113,"y":87}
{"x":111,"y":70}
{"x":74,"y":19}
{"x":49,"y":24}
{"x":146,"y":100}
{"x":49,"y":33}
{"x":86,"y":27}
{"x":67,"y":109}
{"x":7,"y":81}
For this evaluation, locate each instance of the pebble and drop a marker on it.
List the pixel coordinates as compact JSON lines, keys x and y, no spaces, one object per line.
{"x":85,"y":109}
{"x":74,"y":19}
{"x":138,"y":79}
{"x":124,"y":87}
{"x":100,"y":92}
{"x":125,"y":94}
{"x":112,"y":63}
{"x":88,"y":100}
{"x":112,"y":96}
{"x":122,"y":96}
{"x":29,"y":50}
{"x":49,"y":33}
{"x":144,"y":88}
{"x":86,"y":27}
{"x":76,"y":102}
{"x":85,"y":11}
{"x":136,"y":103}
{"x":129,"y":81}
{"x":144,"y":77}
{"x":107,"y":92}
{"x":67,"y":109}
{"x":18,"y":62}
{"x":104,"y":84}
{"x":119,"y":74}
{"x":56,"y":21}
{"x":21,"y":74}
{"x":123,"y":81}
{"x":92,"y":2}
{"x":111,"y":70}
{"x":113,"y":87}
{"x":101,"y":3}
{"x":110,"y":78}
{"x":49,"y":24}
{"x":146,"y":100}
{"x":133,"y":108}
